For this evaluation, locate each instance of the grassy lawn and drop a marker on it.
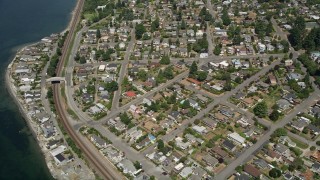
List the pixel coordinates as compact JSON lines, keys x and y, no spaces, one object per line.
{"x":89,"y":16}
{"x":299,"y":143}
{"x":272,"y":97}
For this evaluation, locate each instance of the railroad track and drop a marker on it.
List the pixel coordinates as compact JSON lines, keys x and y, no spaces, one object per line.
{"x":94,"y":158}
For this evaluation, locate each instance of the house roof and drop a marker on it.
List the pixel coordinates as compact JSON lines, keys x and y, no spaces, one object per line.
{"x":228,"y":144}
{"x":210,"y":160}
{"x":242,"y":177}
{"x":316,"y":156}
{"x":272,"y":154}
{"x":131,"y":94}
{"x":217,"y":150}
{"x":313,"y":128}
{"x":280,"y":148}
{"x":261,"y":163}
{"x":194,"y":81}
{"x":251,"y":170}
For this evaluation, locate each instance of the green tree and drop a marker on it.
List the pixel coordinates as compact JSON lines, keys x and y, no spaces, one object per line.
{"x":111,"y":86}
{"x":285,"y":45}
{"x":297,"y":33}
{"x":142,"y":75}
{"x":139,"y":30}
{"x":269,"y":29}
{"x":297,"y":164}
{"x":165,"y":60}
{"x":275,"y":173}
{"x":82,"y":60}
{"x":225,"y":17}
{"x":168,"y":72}
{"x":77,"y":57}
{"x":185,"y":104}
{"x":155,"y":25}
{"x":98,"y":34}
{"x":227,"y":86}
{"x":125,"y":118}
{"x":261,"y":109}
{"x":238,"y":80}
{"x":137,"y":165}
{"x":160,"y":145}
{"x":183,"y":25}
{"x":202,"y":75}
{"x":217,"y":49}
{"x":279,"y":132}
{"x":274,"y":116}
{"x":260,"y":28}
{"x":193,"y":69}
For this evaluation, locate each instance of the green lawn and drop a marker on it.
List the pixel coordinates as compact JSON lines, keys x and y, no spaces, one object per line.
{"x":300,"y":144}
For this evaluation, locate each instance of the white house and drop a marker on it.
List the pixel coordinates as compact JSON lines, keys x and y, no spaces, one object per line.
{"x":235,"y":137}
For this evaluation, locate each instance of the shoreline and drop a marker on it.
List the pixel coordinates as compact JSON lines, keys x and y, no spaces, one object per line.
{"x":33,"y":126}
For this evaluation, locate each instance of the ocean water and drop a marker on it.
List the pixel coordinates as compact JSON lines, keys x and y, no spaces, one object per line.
{"x":23,"y":22}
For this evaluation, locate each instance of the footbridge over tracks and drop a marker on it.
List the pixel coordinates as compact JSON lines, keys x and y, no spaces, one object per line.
{"x":56,"y":79}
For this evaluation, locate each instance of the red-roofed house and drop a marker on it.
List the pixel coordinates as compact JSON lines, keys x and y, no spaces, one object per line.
{"x":131,"y":94}
{"x":194,"y":81}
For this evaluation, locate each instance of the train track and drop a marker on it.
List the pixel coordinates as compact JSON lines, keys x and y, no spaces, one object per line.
{"x":95,"y":159}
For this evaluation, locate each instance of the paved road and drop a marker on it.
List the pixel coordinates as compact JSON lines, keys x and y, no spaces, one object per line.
{"x":210,"y":8}
{"x":177,"y":79}
{"x":209,"y":39}
{"x":123,"y":70}
{"x":85,"y":119}
{"x":229,"y":170}
{"x":131,"y":154}
{"x":248,"y":114}
{"x":216,"y":101}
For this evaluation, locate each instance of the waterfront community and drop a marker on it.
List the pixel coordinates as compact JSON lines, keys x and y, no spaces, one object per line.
{"x":176,"y":89}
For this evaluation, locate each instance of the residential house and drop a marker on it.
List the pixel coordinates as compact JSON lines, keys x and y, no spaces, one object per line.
{"x":252,"y":171}
{"x":283,"y":104}
{"x":282,"y":150}
{"x":288,"y":62}
{"x":235,"y":137}
{"x":194,"y":104}
{"x":316,"y":167}
{"x":294,"y":76}
{"x":209,"y":160}
{"x":300,"y":124}
{"x":186,"y":172}
{"x":199,"y":129}
{"x":315,"y":156}
{"x":48,"y":129}
{"x":42,"y":117}
{"x":272,"y":79}
{"x":209,"y":122}
{"x":229,"y":145}
{"x":242,"y":176}
{"x":128,"y":167}
{"x":286,"y":139}
{"x":134,"y":134}
{"x":181,"y":144}
{"x":315,"y":130}
{"x":98,"y":141}
{"x":174,"y":115}
{"x":314,"y":111}
{"x":261,"y":163}
{"x":218,"y":152}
